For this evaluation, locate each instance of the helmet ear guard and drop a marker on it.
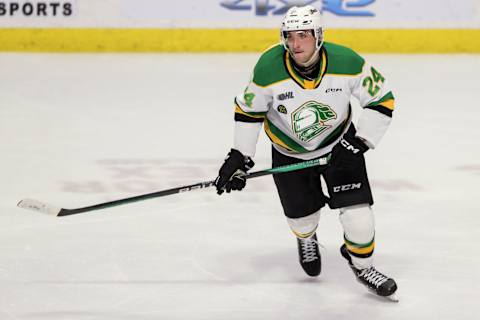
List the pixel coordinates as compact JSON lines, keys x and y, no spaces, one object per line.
{"x":302,"y":18}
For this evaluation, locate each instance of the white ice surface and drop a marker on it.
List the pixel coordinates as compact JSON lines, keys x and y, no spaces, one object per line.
{"x":76,"y":130}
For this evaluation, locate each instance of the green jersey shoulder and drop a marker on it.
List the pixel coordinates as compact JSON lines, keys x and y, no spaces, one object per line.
{"x":270,"y":67}
{"x":342,"y":60}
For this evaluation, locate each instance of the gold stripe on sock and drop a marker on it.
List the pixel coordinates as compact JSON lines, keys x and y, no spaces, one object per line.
{"x":304,"y":235}
{"x":362,"y":250}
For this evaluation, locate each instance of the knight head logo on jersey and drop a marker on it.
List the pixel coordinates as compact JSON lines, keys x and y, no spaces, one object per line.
{"x":309,"y":120}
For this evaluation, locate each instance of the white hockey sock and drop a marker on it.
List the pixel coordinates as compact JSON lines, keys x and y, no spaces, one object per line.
{"x":359,"y":230}
{"x":304,"y":227}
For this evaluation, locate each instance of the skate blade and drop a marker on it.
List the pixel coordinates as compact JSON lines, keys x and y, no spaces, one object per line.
{"x":393,"y":297}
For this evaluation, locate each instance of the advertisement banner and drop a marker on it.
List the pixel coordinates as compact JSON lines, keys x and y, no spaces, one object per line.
{"x":265,"y":14}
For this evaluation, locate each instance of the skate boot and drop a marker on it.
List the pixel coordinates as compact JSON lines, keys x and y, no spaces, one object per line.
{"x":309,"y":255}
{"x":375,"y":281}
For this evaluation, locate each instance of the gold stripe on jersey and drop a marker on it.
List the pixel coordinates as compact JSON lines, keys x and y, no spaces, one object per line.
{"x":309,"y":84}
{"x":323,"y":70}
{"x":290,"y":70}
{"x":239,"y":110}
{"x":255,"y":115}
{"x":274,"y":138}
{"x":389,"y":104}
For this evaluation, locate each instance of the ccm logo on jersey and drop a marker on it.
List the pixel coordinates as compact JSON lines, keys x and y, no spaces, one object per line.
{"x":347,"y":187}
{"x":348,"y":146}
{"x":286,"y":95}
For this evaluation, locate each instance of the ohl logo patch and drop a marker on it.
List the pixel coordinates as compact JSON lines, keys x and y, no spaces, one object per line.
{"x":309,"y":120}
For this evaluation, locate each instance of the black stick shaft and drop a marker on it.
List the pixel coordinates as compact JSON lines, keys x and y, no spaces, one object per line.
{"x":200,"y":185}
{"x":196,"y":186}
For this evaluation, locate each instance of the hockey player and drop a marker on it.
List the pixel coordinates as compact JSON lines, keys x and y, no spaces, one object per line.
{"x":300,"y":91}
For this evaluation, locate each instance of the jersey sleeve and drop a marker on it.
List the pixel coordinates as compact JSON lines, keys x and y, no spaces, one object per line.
{"x":373,"y":92}
{"x":251,"y":107}
{"x":253,"y":104}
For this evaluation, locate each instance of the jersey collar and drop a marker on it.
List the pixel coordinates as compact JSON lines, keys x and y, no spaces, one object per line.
{"x":302,"y":82}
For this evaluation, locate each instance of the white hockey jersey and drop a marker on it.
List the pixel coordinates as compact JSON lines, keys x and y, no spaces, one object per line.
{"x":306,"y":118}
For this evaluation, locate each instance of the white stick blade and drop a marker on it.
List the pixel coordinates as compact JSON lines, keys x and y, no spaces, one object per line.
{"x":35,"y":205}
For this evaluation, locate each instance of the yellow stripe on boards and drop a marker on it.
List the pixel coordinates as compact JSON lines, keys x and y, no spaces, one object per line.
{"x":136,"y":40}
{"x":231,"y":40}
{"x":407,"y":40}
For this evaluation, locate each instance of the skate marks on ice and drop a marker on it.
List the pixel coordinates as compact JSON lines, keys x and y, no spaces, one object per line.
{"x":469,"y":168}
{"x":271,"y":272}
{"x":147,"y":175}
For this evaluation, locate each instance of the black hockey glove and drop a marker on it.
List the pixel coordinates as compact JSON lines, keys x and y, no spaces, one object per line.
{"x":346,"y":154}
{"x":230,"y":177}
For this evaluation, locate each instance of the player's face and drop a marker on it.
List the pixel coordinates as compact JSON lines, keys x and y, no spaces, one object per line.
{"x":301,"y":45}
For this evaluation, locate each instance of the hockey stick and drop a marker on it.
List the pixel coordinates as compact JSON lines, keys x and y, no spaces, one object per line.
{"x":42,"y":207}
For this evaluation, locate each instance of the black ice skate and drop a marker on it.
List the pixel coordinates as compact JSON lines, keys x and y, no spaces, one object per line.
{"x":309,"y":255}
{"x":375,"y":281}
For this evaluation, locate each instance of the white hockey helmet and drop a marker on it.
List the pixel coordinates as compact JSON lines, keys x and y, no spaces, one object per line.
{"x":303,"y":18}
